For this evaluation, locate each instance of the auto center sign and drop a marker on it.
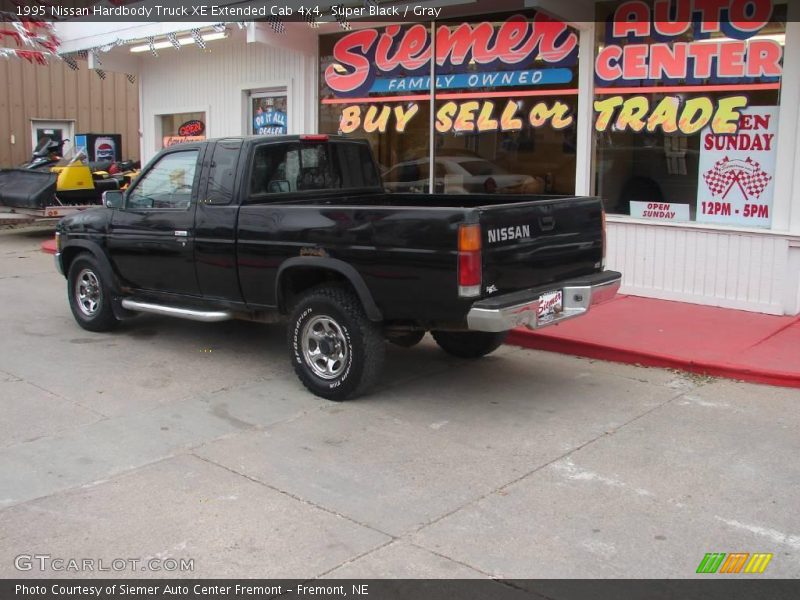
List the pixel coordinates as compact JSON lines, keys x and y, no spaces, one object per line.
{"x":645,"y":47}
{"x":731,"y":57}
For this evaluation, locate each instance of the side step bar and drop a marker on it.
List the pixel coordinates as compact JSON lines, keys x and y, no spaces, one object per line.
{"x":206,"y":316}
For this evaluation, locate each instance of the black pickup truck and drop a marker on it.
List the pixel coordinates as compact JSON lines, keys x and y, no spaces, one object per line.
{"x":300,"y":228}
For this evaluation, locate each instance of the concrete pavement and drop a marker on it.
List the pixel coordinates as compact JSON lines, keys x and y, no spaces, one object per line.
{"x":175,"y":439}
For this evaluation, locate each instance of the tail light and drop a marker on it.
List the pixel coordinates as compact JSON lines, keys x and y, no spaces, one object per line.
{"x":603,"y":219}
{"x":314,"y":137}
{"x":469,"y":260}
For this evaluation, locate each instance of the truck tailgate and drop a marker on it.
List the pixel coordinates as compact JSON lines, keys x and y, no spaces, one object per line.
{"x":530,"y":244}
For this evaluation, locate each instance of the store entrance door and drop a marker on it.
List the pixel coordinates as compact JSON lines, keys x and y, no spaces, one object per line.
{"x":268,"y":113}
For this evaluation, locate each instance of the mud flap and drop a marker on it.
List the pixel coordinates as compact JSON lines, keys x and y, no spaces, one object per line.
{"x":23,"y":188}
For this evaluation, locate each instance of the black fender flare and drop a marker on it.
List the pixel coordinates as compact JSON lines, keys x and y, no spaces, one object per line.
{"x":96,"y":251}
{"x":329,"y":264}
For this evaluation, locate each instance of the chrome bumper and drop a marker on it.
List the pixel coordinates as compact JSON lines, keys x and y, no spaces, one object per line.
{"x":522,"y":308}
{"x":57,"y":257}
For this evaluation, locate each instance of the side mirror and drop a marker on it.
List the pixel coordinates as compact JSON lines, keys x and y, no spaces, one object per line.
{"x":279,"y":186}
{"x":113,"y":198}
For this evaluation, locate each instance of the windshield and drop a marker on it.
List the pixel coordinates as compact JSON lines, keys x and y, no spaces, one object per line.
{"x":43,"y":145}
{"x":73,"y":155}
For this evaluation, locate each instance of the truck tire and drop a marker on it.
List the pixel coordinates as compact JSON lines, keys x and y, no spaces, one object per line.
{"x":469,"y":344}
{"x":407,"y":340}
{"x":336,"y":351}
{"x":89,"y":295}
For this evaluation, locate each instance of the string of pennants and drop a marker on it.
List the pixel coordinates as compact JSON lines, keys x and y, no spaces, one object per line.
{"x":37,"y":44}
{"x":33,"y":41}
{"x":36,"y":41}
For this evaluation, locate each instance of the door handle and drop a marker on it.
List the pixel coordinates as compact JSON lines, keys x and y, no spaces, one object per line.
{"x":181,"y":233}
{"x":547,"y":223}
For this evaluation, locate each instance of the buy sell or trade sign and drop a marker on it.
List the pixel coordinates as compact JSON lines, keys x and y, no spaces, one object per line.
{"x":470,"y":116}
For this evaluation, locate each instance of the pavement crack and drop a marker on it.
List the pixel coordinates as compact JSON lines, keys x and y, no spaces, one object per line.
{"x":102,"y":415}
{"x":355,"y":558}
{"x":295,"y":497}
{"x":544,"y":465}
{"x":451,"y":559}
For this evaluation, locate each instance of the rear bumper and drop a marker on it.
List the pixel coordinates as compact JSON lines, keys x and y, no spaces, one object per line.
{"x":518,"y":309}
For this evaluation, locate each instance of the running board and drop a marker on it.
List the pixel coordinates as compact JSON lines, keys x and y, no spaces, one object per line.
{"x":206,"y":316}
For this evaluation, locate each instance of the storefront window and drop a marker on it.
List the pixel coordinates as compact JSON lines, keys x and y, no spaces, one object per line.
{"x":182,"y":127}
{"x":369,"y":92}
{"x":268,"y":114}
{"x":505,"y":112}
{"x":686,"y":111}
{"x":506,"y":93}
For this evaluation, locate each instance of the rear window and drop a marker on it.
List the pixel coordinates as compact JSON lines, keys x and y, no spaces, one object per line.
{"x":303,"y":167}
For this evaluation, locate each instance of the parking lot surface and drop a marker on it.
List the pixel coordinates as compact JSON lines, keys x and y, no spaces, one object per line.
{"x":173,"y":439}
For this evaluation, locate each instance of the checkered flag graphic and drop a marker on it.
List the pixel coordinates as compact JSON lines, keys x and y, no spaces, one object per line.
{"x":130,"y":77}
{"x":343,"y":22}
{"x":276,"y":24}
{"x":755,"y":180}
{"x":100,"y":73}
{"x":96,"y":55}
{"x":173,"y":39}
{"x":70,"y":61}
{"x":218,"y":27}
{"x":309,"y":17}
{"x":198,"y":39}
{"x":151,"y":42}
{"x":716,"y":178}
{"x":747,"y":174}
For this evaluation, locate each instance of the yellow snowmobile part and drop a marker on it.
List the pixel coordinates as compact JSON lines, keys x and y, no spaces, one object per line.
{"x":73,"y":178}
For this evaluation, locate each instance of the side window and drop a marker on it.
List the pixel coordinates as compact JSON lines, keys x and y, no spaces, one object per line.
{"x":282,"y":168}
{"x":274,"y":171}
{"x":168,"y":184}
{"x":355,"y":163}
{"x":222,"y":173}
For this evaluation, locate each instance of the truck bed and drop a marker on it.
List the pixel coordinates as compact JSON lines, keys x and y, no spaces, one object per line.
{"x":403,"y":243}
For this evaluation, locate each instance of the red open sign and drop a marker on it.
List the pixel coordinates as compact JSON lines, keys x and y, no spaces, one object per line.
{"x":193,"y":127}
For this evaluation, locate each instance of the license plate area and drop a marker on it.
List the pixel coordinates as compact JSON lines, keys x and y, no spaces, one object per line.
{"x":550,"y":305}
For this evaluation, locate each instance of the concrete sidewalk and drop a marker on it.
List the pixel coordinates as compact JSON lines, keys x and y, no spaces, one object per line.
{"x":701,"y":339}
{"x":174,"y":439}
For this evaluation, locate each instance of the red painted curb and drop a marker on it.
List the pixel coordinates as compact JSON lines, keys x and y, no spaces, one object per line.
{"x":530,"y":339}
{"x":49,"y":246}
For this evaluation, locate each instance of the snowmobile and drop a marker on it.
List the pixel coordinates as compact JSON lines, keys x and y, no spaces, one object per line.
{"x":51,"y":185}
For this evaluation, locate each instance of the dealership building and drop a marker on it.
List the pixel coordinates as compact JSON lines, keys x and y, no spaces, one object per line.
{"x":683,"y":116}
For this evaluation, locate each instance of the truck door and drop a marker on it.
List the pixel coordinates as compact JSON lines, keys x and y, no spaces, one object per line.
{"x":215,"y":223}
{"x":151,"y":240}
